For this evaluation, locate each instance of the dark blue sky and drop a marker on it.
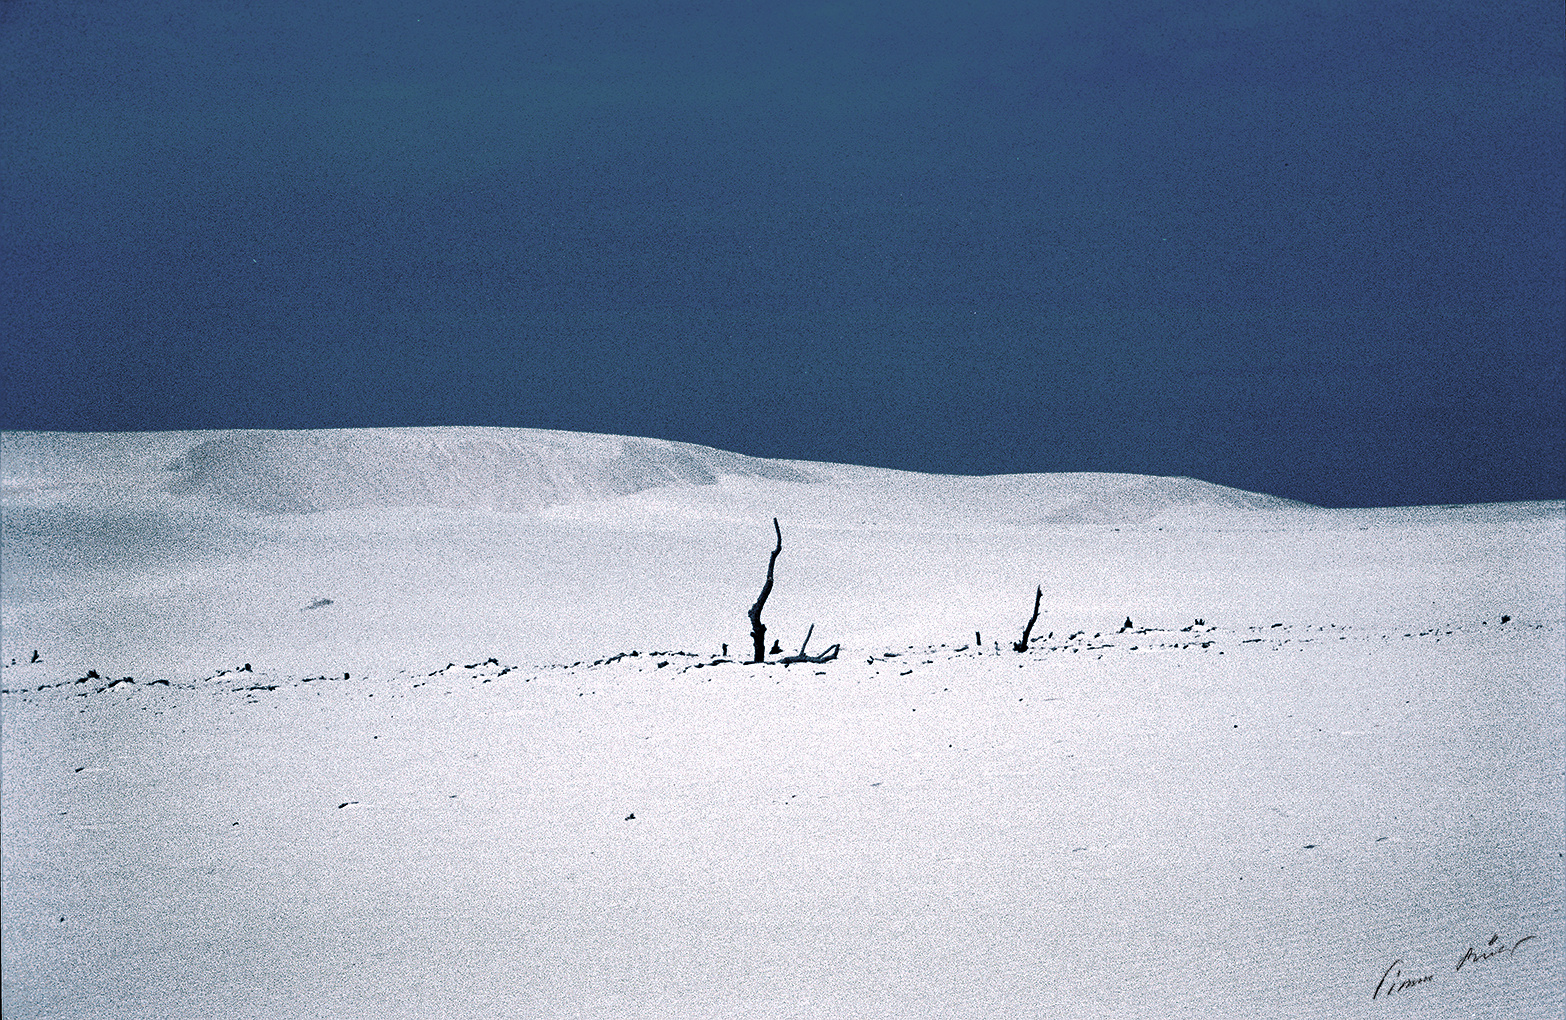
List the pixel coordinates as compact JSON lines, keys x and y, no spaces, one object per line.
{"x":1309,"y":248}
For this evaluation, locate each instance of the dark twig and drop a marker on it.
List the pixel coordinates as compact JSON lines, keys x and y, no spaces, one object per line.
{"x":1022,"y":645}
{"x":800,"y":656}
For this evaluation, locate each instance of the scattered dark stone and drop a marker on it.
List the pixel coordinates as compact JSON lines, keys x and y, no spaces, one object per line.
{"x":1504,"y":619}
{"x":35,"y":659}
{"x":92,"y":674}
{"x":630,"y":816}
{"x":1127,"y":625}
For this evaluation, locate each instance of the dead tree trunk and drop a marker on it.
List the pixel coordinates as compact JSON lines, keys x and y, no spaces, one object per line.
{"x":1022,"y":646}
{"x":758,"y":631}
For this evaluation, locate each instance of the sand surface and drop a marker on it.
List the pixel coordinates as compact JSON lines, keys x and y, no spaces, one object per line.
{"x":487,"y":759}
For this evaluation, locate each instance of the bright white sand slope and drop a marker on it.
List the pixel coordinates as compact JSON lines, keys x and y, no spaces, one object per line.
{"x":1341,"y":780}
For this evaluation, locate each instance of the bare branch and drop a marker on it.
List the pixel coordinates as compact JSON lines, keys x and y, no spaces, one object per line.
{"x":1022,"y":645}
{"x":800,"y":656}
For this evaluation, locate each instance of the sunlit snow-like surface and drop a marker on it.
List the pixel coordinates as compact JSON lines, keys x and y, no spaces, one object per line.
{"x":485,"y":759}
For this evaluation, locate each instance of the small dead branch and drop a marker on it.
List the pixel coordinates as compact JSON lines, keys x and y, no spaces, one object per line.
{"x":800,"y":656}
{"x":1022,"y":645}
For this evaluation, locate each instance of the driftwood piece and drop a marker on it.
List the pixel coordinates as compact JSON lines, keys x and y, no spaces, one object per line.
{"x":800,"y":656}
{"x":1022,"y":645}
{"x":758,"y":630}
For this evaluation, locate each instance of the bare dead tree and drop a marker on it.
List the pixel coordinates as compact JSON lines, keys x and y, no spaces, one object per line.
{"x":1022,"y":646}
{"x":758,"y":630}
{"x":800,"y":656}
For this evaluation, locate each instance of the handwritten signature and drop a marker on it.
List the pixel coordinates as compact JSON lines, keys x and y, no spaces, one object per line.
{"x":1495,"y":947}
{"x":1395,"y":979}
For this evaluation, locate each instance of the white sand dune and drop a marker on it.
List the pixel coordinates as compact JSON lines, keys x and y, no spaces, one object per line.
{"x":1325,"y":760}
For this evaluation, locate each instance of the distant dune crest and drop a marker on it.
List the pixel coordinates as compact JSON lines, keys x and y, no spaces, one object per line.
{"x":505,"y":469}
{"x":1146,"y":498}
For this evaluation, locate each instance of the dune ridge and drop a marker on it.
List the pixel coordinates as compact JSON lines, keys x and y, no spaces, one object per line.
{"x":305,"y":471}
{"x":514,"y":469}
